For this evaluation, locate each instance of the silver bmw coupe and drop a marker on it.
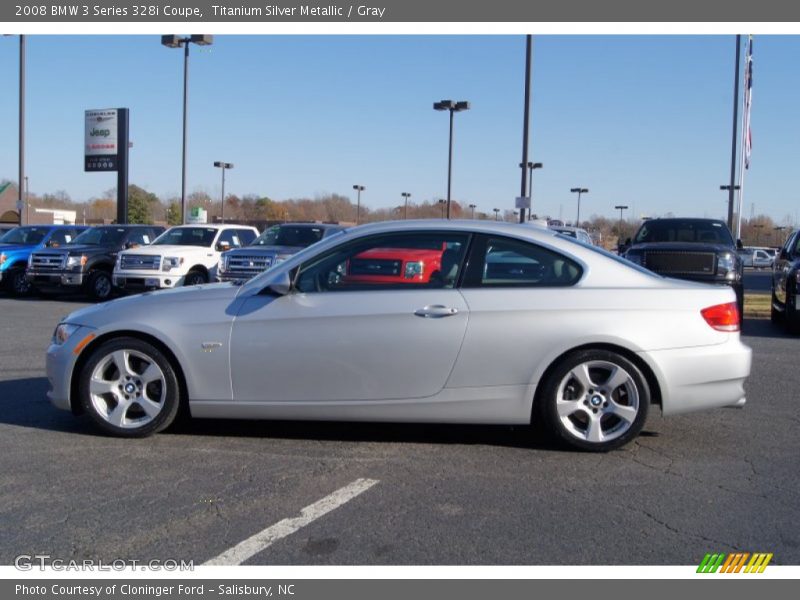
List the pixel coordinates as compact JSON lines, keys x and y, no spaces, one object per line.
{"x":415,"y":321}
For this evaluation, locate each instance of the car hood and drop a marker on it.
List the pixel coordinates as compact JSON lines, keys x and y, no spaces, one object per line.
{"x":266,"y":250}
{"x":77,"y":249}
{"x":9,"y":248}
{"x":139,"y":306}
{"x":683,"y":246}
{"x":168,"y":250}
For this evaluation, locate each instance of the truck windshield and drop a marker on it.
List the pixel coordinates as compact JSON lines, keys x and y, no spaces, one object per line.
{"x":187,"y":236}
{"x":100,"y":236}
{"x":691,"y":231}
{"x":25,"y":236}
{"x":288,"y":235}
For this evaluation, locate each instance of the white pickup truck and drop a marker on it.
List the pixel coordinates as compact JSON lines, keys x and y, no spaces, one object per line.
{"x":182,"y":255}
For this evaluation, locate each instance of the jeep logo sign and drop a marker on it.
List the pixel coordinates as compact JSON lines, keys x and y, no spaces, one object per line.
{"x":101,"y":147}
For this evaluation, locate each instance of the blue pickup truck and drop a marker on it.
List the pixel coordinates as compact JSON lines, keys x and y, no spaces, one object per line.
{"x":17,"y":245}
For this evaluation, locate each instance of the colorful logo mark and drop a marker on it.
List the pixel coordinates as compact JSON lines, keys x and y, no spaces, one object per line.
{"x":735,"y":563}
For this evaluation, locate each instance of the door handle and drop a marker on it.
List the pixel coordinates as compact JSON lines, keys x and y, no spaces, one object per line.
{"x":435,"y":311}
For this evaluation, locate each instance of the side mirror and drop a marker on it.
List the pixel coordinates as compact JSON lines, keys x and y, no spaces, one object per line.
{"x":280,"y":285}
{"x":129,"y":245}
{"x":784,"y":254}
{"x":739,"y":244}
{"x":223,"y":246}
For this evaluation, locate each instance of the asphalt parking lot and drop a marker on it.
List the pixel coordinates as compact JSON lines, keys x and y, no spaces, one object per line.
{"x":719,"y":481}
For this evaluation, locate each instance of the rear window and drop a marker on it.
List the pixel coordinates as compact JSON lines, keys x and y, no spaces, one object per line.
{"x":687,"y":231}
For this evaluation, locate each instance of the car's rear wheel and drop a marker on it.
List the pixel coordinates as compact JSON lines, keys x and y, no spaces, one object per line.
{"x":195,"y":278}
{"x":129,"y":388}
{"x":595,"y":400}
{"x":99,"y":286}
{"x":791,"y":317}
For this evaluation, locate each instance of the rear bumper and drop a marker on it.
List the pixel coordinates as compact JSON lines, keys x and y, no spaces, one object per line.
{"x":693,"y":379}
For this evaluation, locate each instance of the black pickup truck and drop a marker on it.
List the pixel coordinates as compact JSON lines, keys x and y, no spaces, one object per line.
{"x":86,"y":264}
{"x":695,"y":249}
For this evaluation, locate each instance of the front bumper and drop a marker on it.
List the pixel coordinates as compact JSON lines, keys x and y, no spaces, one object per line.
{"x":693,"y":379}
{"x":147,"y":280}
{"x":55,"y":278}
{"x":59,"y":365}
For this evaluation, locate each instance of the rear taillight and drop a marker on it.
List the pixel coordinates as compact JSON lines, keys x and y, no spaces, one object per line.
{"x":722,"y":317}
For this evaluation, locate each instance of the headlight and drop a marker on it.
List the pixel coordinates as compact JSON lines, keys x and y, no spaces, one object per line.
{"x":171,"y":262}
{"x":726,"y":266}
{"x":30,"y":260}
{"x":3,"y":258}
{"x":222,"y":265}
{"x":76,"y":261}
{"x":413,"y":269}
{"x":63,"y":333}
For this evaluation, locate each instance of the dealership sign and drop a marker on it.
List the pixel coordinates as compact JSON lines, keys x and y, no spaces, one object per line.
{"x":101,"y":140}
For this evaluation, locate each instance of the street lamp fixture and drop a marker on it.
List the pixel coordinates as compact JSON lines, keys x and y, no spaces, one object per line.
{"x":472,"y":208}
{"x":359,"y":189}
{"x":406,"y":196}
{"x":496,"y":211}
{"x":223,"y":166}
{"x":620,"y":208}
{"x":531,"y":166}
{"x":442,"y":203}
{"x":579,"y":191}
{"x":452,"y":107}
{"x":175,"y":41}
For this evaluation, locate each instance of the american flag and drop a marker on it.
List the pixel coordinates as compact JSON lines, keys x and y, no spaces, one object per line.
{"x":748,"y":97}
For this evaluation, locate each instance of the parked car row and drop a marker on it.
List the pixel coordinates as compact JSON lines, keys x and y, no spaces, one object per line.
{"x":94,"y":261}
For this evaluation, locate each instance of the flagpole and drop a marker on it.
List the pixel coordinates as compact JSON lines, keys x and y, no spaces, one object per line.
{"x":745,"y":132}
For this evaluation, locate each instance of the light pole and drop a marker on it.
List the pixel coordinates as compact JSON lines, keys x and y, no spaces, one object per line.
{"x":453,"y":107}
{"x":359,"y":189}
{"x":531,"y":166}
{"x":406,"y":196}
{"x":472,"y":208}
{"x":223,"y":166}
{"x":442,"y":202}
{"x":175,"y":41}
{"x":496,"y":211}
{"x":27,"y":203}
{"x":579,"y":191}
{"x":730,"y":189}
{"x":620,"y":208}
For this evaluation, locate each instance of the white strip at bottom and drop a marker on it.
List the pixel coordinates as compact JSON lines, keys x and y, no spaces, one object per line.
{"x":264,"y":539}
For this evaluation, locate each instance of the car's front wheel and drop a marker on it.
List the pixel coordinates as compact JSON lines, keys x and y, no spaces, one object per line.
{"x":18,"y":284}
{"x":595,"y":400}
{"x":129,"y":388}
{"x":195,"y":278}
{"x":99,"y":286}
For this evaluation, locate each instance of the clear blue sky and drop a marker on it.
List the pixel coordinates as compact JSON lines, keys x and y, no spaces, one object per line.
{"x":639,"y":120}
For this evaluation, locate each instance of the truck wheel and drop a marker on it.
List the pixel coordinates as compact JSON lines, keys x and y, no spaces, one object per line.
{"x":129,"y":388}
{"x":99,"y":286}
{"x":18,"y":285}
{"x":775,"y":316}
{"x":791,"y":317}
{"x":595,"y":400}
{"x":195,"y":278}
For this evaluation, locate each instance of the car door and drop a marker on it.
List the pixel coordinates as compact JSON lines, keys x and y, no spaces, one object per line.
{"x":331,"y":339}
{"x":517,"y":293}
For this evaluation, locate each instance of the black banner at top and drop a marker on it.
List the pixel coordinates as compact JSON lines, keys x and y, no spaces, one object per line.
{"x":397,"y":11}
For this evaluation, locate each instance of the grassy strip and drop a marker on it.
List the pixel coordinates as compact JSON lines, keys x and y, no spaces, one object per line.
{"x":756,"y":306}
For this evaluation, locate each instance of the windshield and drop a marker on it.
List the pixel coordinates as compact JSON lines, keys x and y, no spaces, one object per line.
{"x":25,"y":236}
{"x":289,"y":235}
{"x":187,"y":236}
{"x":684,"y":230}
{"x":100,"y":236}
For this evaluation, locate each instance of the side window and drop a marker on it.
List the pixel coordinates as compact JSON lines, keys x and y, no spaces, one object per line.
{"x":229,"y":237}
{"x":139,"y":237}
{"x":60,"y":237}
{"x":391,"y":261}
{"x":246,"y":236}
{"x":505,"y":262}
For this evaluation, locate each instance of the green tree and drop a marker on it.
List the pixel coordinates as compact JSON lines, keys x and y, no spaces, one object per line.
{"x":140,"y":205}
{"x":174,"y":213}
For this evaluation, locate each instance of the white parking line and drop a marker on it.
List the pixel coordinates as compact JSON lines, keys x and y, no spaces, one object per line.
{"x":263,"y":539}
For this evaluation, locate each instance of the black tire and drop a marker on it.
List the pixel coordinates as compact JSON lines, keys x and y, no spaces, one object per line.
{"x":575,"y":413}
{"x":195,"y":278}
{"x":99,"y":286}
{"x":131,"y":420}
{"x":791,"y":318}
{"x":18,"y":285}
